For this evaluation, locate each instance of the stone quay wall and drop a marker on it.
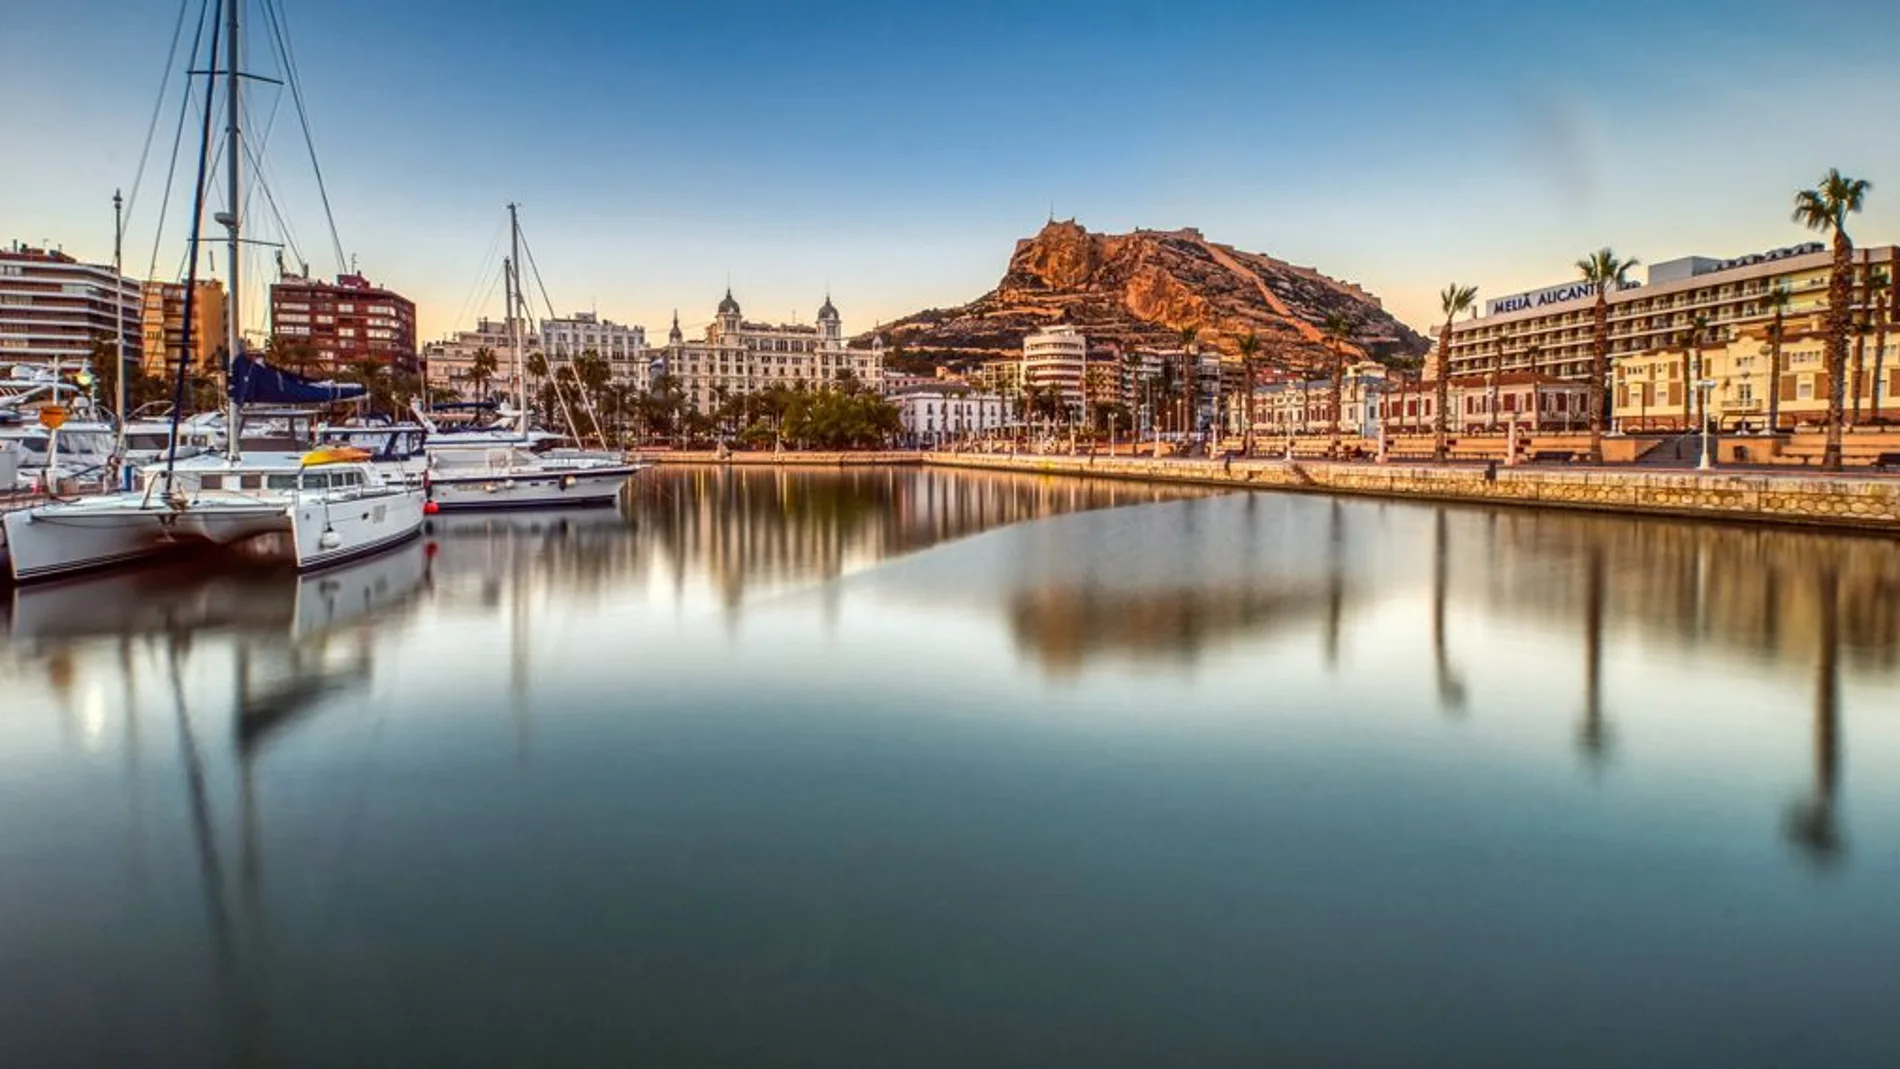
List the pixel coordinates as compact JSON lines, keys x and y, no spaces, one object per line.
{"x":1840,"y":501}
{"x":788,"y":458}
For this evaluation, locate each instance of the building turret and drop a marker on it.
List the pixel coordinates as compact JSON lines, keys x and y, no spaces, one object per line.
{"x":674,"y":337}
{"x":830,"y":326}
{"x":729,"y":317}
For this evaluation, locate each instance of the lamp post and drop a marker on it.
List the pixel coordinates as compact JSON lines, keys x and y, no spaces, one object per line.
{"x":1707,"y":386}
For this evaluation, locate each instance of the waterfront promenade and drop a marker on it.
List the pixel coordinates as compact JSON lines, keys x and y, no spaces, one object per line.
{"x":1860,"y":502}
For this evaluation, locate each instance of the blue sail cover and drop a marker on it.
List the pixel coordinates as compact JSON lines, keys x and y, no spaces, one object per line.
{"x":254,"y":382}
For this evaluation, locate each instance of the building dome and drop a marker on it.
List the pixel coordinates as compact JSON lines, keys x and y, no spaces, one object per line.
{"x":827,"y":313}
{"x":729,"y":306}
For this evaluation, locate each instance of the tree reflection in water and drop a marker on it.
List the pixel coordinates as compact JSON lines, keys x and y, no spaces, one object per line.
{"x":1812,"y":824}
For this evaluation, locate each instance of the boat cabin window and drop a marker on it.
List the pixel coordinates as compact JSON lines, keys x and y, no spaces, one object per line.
{"x":282,"y":482}
{"x":146,"y":441}
{"x":330,"y":480}
{"x":210,"y":482}
{"x":250,"y":482}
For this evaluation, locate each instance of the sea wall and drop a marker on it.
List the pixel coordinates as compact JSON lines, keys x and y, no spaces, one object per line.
{"x":1847,"y":501}
{"x":787,"y":458}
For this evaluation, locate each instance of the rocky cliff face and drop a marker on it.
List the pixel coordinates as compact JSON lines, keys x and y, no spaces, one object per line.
{"x":1144,"y":288}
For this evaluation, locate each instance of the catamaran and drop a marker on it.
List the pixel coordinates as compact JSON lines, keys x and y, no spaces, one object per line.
{"x":332,"y":504}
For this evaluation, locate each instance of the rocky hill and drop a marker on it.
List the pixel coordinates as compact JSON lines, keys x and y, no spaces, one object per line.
{"x":1143,"y":288}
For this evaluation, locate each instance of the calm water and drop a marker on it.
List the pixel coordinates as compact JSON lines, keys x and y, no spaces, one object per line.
{"x":920,"y":769}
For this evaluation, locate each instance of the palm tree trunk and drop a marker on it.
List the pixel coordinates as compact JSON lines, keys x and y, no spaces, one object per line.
{"x":1339,"y":377}
{"x":1860,"y":346}
{"x":1880,"y":360}
{"x":1246,"y":441}
{"x":1497,"y":377}
{"x":1441,"y":445}
{"x":1599,"y":364}
{"x":1839,"y":319}
{"x":1774,"y":376}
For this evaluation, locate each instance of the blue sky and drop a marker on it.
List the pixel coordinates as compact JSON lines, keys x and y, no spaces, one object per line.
{"x":895,"y":151}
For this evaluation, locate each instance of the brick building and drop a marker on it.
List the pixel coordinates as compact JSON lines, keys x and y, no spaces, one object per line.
{"x":345,"y":321}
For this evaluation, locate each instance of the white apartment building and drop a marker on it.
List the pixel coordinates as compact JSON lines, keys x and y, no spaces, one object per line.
{"x":934,"y":416}
{"x":739,"y":357}
{"x":52,"y":307}
{"x":625,"y":348}
{"x":1056,"y":358}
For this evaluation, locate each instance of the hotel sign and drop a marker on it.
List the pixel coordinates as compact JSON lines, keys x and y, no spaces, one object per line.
{"x":1517,"y":302}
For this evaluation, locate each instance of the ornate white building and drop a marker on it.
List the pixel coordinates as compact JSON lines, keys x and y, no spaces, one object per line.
{"x":742,"y":357}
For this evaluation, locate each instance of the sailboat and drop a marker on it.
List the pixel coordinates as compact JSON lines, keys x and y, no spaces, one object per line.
{"x":333,"y":504}
{"x":476,"y":474}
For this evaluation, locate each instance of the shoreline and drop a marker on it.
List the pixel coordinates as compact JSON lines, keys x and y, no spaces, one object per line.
{"x":1834,"y":502}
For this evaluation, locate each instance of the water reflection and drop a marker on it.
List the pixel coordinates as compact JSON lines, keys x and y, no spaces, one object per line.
{"x":544,"y":774}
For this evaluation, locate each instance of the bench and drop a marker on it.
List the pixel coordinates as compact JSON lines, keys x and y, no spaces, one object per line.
{"x":1565,"y":456}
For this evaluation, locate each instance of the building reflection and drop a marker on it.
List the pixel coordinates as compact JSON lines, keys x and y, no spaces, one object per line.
{"x":744,"y":530}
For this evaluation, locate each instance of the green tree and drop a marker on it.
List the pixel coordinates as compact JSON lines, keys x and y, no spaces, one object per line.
{"x":1878,"y":286}
{"x":1692,"y":372}
{"x":1825,"y":209}
{"x":1337,"y":331}
{"x":481,"y":371}
{"x":1249,"y":354}
{"x":1605,"y":271}
{"x":1776,"y":301}
{"x":536,"y":366}
{"x":1190,"y":384}
{"x":1453,"y":301}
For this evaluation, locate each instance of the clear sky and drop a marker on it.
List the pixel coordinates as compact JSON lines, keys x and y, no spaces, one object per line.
{"x":894,"y":151}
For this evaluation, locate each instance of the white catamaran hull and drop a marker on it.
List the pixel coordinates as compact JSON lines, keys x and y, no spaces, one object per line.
{"x":65,"y":538}
{"x":325,"y":533}
{"x":530,"y":489}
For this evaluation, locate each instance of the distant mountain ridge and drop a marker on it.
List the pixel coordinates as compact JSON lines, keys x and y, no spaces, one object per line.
{"x":1144,"y":288}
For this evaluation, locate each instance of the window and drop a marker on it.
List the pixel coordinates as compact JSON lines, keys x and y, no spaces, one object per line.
{"x":1804,"y":390}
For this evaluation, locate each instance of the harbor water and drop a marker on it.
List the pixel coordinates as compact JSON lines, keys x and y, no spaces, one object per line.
{"x":875,"y":768}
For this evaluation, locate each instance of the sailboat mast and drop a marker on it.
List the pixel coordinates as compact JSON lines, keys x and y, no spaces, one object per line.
{"x":118,"y":341}
{"x":234,"y":154}
{"x":514,"y":310}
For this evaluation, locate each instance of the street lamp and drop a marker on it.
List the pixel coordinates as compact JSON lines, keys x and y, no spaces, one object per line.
{"x":1707,"y":386}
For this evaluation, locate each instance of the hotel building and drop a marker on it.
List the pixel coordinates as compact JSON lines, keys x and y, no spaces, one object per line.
{"x":739,"y":357}
{"x":52,"y":307}
{"x":1656,"y":391}
{"x":346,"y":321}
{"x":1055,"y":359}
{"x":162,"y":325}
{"x":1549,"y":331}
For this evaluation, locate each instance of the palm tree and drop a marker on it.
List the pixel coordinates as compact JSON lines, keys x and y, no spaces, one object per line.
{"x":1191,"y":372}
{"x":1692,"y":369}
{"x":1337,"y":331}
{"x":1825,"y":209}
{"x":1777,"y":302}
{"x":481,"y":368}
{"x":1602,"y":269}
{"x":1452,"y":301}
{"x":1863,"y":326}
{"x":1249,"y":351}
{"x":1877,"y":286}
